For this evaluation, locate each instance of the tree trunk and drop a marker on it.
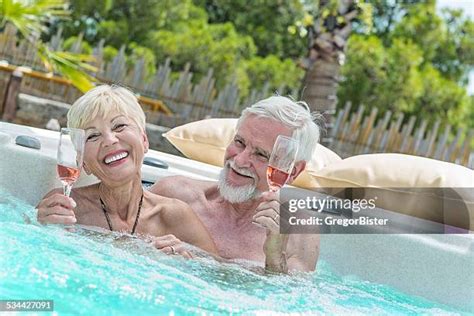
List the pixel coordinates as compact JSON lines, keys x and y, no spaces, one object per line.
{"x":327,"y":44}
{"x":319,"y":91}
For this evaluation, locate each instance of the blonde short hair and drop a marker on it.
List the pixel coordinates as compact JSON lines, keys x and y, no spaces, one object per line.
{"x":102,"y":100}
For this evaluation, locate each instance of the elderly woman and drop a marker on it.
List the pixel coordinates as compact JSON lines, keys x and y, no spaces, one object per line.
{"x":116,"y":142}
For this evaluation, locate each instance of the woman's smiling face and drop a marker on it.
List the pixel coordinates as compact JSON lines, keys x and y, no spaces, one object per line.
{"x":115,"y":147}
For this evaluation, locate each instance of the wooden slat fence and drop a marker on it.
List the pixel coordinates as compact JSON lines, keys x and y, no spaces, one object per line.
{"x":353,"y":133}
{"x":357,"y":133}
{"x":187,"y":100}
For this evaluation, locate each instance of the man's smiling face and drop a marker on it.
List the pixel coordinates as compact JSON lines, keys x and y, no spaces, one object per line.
{"x":246,"y":158}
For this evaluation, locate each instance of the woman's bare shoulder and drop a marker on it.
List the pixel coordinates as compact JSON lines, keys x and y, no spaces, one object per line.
{"x":165,"y":202}
{"x":87,"y":192}
{"x":168,"y":208}
{"x":87,"y":199}
{"x":81,"y":192}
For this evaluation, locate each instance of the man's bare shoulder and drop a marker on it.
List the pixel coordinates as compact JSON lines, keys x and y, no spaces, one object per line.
{"x":180,"y":187}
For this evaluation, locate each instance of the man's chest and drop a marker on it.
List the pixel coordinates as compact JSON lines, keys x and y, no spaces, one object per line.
{"x":234,"y":240}
{"x":233,"y":245}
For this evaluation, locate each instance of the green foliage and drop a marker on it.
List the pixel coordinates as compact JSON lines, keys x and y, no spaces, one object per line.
{"x":180,"y":30}
{"x":30,"y":18}
{"x":423,"y":26}
{"x":114,"y":33}
{"x":404,"y":56}
{"x":455,"y":52}
{"x":443,"y":98}
{"x":446,"y":39}
{"x":85,"y":47}
{"x":277,"y":73}
{"x":414,"y":61}
{"x":274,"y":25}
{"x":109,"y":53}
{"x":138,"y":53}
{"x":72,"y":66}
{"x":216,"y":46}
{"x":120,"y":22}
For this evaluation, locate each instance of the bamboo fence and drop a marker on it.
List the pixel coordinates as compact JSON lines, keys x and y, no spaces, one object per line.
{"x":171,"y":102}
{"x":187,"y":100}
{"x":356,"y":133}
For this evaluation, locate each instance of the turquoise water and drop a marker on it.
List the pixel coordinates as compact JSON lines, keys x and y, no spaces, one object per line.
{"x":88,"y":273}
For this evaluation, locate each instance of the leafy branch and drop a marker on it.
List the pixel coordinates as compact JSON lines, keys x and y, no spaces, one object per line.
{"x":30,"y":18}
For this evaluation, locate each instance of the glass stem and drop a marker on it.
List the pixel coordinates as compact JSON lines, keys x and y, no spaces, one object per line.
{"x":67,"y":189}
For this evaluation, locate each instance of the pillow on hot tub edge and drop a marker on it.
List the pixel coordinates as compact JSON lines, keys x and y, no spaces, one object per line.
{"x":207,"y":140}
{"x":385,"y":176}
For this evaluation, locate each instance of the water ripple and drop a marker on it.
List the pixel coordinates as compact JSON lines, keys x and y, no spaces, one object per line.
{"x":92,"y":272}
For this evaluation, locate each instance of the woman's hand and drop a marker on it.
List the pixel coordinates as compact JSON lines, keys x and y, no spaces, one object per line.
{"x":171,"y":245}
{"x":56,"y":209}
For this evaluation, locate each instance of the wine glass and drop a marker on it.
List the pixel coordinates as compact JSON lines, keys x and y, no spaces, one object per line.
{"x":281,"y":162}
{"x":70,"y":156}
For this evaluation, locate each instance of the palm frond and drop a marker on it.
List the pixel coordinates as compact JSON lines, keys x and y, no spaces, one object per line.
{"x":30,"y":17}
{"x":72,"y":66}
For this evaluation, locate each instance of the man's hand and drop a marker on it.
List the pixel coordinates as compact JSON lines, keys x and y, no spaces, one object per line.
{"x":56,"y":209}
{"x":171,"y":245}
{"x":268,"y":216}
{"x":267,"y":213}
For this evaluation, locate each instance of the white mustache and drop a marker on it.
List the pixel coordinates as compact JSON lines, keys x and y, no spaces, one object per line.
{"x":244,"y":171}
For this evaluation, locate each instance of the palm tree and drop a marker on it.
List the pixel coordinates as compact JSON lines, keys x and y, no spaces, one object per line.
{"x":327,"y":40}
{"x":30,"y":17}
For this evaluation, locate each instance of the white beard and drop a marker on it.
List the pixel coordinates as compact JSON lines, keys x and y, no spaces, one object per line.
{"x":236,"y":194}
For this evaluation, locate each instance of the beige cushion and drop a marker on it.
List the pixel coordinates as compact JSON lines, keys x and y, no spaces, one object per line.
{"x":385,"y":176}
{"x":207,"y":140}
{"x":394,"y":170}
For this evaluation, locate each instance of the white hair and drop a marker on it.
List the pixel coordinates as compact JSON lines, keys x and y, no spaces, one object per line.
{"x":295,"y":115}
{"x":102,"y":100}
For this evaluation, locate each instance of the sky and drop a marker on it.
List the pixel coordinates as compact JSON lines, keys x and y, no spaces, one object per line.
{"x":468,"y":8}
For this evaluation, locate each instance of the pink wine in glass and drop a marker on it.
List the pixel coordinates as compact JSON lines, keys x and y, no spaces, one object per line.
{"x":276,"y":178}
{"x":68,"y":175}
{"x":70,"y":156}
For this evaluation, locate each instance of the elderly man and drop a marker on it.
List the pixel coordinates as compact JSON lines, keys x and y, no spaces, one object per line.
{"x":242,"y":217}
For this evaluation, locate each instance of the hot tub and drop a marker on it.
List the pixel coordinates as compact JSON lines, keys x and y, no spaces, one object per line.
{"x":94,"y":272}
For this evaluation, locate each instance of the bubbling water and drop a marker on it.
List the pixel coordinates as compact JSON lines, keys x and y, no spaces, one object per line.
{"x":92,"y":271}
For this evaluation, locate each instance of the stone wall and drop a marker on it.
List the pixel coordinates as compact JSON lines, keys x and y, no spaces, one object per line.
{"x":36,"y":112}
